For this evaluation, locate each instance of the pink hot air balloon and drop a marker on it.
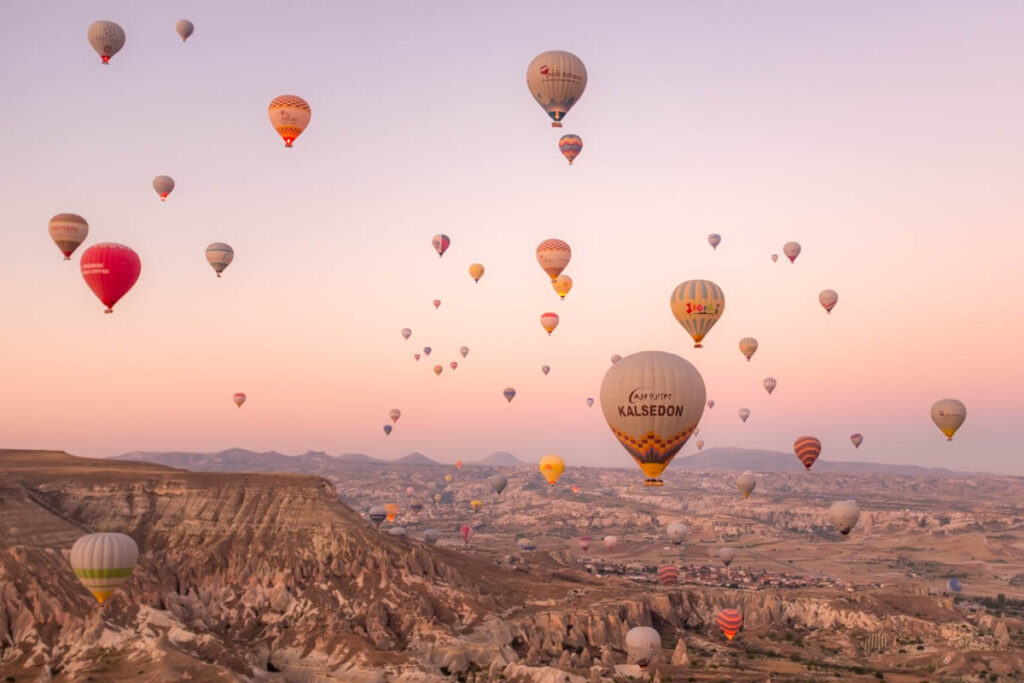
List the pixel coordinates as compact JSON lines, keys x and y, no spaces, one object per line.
{"x":239,"y":399}
{"x":416,"y":356}
{"x":453,"y":365}
{"x":410,"y":490}
{"x":440,"y":243}
{"x":437,"y":303}
{"x":438,"y":369}
{"x":549,"y":321}
{"x":584,"y":542}
{"x":110,"y":270}
{"x":467,"y":533}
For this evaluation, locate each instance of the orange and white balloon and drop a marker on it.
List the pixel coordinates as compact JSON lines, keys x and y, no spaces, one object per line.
{"x":553,"y":256}
{"x":289,"y":114}
{"x":549,"y":321}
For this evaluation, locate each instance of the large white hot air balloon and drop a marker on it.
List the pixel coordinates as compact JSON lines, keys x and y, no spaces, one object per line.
{"x":556,"y":79}
{"x":652,"y":401}
{"x":219,"y":255}
{"x":726,"y":555}
{"x":103,"y":562}
{"x":948,"y":414}
{"x":676,"y":532}
{"x":643,"y":644}
{"x":107,"y":38}
{"x":845,"y":514}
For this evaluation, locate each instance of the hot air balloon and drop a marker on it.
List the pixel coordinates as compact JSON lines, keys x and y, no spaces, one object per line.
{"x":68,"y":230}
{"x":845,"y":514}
{"x":714,"y":239}
{"x":448,"y":478}
{"x":110,"y":270}
{"x":219,"y":255}
{"x":526,"y":544}
{"x":954,"y":585}
{"x":392,"y":511}
{"x":947,"y":414}
{"x":697,"y":305}
{"x":509,"y":393}
{"x":475,"y":505}
{"x":387,"y":430}
{"x":652,"y":401}
{"x":453,"y":365}
{"x":584,"y":543}
{"x":857,"y":440}
{"x":458,"y":464}
{"x":184,"y":28}
{"x":711,"y":403}
{"x":726,"y":555}
{"x":549,"y":321}
{"x":748,"y":347}
{"x":431,"y":536}
{"x":668,"y":574}
{"x":397,"y":531}
{"x":426,"y":350}
{"x":828,"y":299}
{"x":437,"y":303}
{"x":770,"y":384}
{"x":746,"y":483}
{"x":107,"y":38}
{"x":406,"y":333}
{"x":730,"y":621}
{"x":610,"y":542}
{"x":394,"y":414}
{"x":164,"y":185}
{"x":590,"y":402}
{"x":570,"y":146}
{"x":437,"y":498}
{"x":378,"y":514}
{"x":467,"y":533}
{"x":440,"y":243}
{"x":239,"y":399}
{"x":409,"y":490}
{"x":464,"y":351}
{"x":744,"y":413}
{"x":498,"y":483}
{"x":700,"y":444}
{"x":562,"y":285}
{"x":416,"y":356}
{"x":103,"y":562}
{"x":791,"y":250}
{"x":775,"y":257}
{"x":289,"y":115}
{"x":551,"y":466}
{"x":556,"y":79}
{"x":616,"y":358}
{"x":807,"y":449}
{"x":476,"y":271}
{"x":545,"y":369}
{"x":575,"y":489}
{"x":438,"y":369}
{"x":553,"y":256}
{"x":676,"y":532}
{"x":643,"y":644}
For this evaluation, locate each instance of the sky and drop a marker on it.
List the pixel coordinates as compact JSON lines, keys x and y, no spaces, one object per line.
{"x":884,"y":137}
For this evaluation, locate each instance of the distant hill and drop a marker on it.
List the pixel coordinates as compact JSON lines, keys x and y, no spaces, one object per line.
{"x":241,"y":460}
{"x":757,"y":460}
{"x":415,"y":459}
{"x":500,"y":459}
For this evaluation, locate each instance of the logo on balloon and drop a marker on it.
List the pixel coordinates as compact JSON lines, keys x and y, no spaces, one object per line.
{"x":643,"y":394}
{"x":544,"y":70}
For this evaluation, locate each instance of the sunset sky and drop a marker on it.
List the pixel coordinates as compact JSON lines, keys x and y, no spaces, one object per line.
{"x":884,"y":137}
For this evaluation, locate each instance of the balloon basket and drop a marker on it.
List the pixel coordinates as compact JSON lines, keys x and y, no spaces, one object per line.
{"x":653,"y":482}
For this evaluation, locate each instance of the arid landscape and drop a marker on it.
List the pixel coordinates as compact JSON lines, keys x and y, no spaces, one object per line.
{"x":280,"y":576}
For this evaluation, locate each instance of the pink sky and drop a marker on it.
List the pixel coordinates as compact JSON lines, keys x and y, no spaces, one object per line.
{"x":884,"y":138}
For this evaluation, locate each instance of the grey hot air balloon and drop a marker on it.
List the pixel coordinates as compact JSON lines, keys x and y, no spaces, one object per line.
{"x":526,"y":544}
{"x":397,"y":531}
{"x":744,"y":413}
{"x":643,"y":644}
{"x":845,"y":514}
{"x":509,"y":393}
{"x":726,"y":555}
{"x":676,"y":532}
{"x":107,"y":38}
{"x":714,"y":239}
{"x":545,"y":369}
{"x":219,"y":255}
{"x":498,"y":483}
{"x":431,"y":536}
{"x":184,"y":28}
{"x":164,"y":185}
{"x":791,"y":250}
{"x":746,"y":483}
{"x":948,"y":414}
{"x":770,"y":384}
{"x":378,"y":514}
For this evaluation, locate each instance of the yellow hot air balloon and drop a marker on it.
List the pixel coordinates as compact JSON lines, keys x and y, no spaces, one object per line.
{"x":948,"y":414}
{"x":697,"y":305}
{"x":748,"y":347}
{"x":475,"y":505}
{"x":556,"y":79}
{"x":289,"y":114}
{"x":553,"y":256}
{"x":652,"y":401}
{"x":562,"y":285}
{"x":448,"y":478}
{"x":551,"y":466}
{"x":102,"y":562}
{"x":476,"y":271}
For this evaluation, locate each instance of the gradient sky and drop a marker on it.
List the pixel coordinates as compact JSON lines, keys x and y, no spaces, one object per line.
{"x":885,"y":137}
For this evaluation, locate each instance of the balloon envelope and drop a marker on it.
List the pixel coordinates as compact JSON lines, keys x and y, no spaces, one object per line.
{"x":556,"y":79}
{"x":954,"y":585}
{"x":668,"y":574}
{"x":467,"y":533}
{"x":164,"y":185}
{"x":770,"y":384}
{"x":562,"y":285}
{"x":570,"y":146}
{"x":748,"y":347}
{"x":238,"y":399}
{"x":476,"y":271}
{"x":697,"y":305}
{"x":545,"y":369}
{"x":394,"y":414}
{"x":184,"y":28}
{"x":406,"y":333}
{"x":378,"y":514}
{"x":643,"y":644}
{"x":68,"y":231}
{"x":610,"y":542}
{"x":464,"y":351}
{"x":730,"y":621}
{"x":590,"y":402}
{"x":726,"y":555}
{"x":289,"y":115}
{"x":652,"y":402}
{"x":551,"y":466}
{"x":845,"y":514}
{"x":807,"y":449}
{"x":744,"y":413}
{"x":509,"y":393}
{"x":746,"y":483}
{"x":948,"y":414}
{"x":828,"y":299}
{"x":791,"y":250}
{"x":438,"y":369}
{"x":498,"y":483}
{"x":103,"y":562}
{"x":107,"y":38}
{"x":387,"y":430}
{"x":440,"y":242}
{"x":219,"y":255}
{"x":584,"y":543}
{"x":549,"y":321}
{"x":857,"y":440}
{"x":676,"y":532}
{"x":110,"y":270}
{"x":553,"y":256}
{"x":714,"y":239}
